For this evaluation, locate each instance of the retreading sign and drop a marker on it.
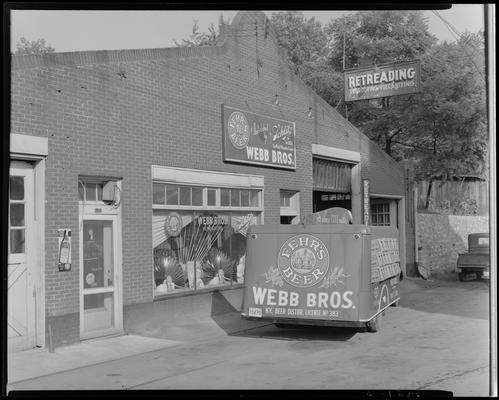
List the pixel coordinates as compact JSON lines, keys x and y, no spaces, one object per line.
{"x":383,"y":80}
{"x":256,"y":139}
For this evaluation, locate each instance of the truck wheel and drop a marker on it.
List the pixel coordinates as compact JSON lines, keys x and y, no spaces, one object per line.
{"x":374,"y":325}
{"x":461,"y":276}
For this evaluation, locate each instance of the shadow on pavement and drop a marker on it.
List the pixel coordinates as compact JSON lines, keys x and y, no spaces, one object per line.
{"x":300,"y":333}
{"x":446,"y":296}
{"x":228,"y":318}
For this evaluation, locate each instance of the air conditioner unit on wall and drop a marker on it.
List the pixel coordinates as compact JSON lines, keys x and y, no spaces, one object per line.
{"x":109,"y":191}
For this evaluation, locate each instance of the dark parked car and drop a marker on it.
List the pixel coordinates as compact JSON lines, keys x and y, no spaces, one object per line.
{"x":475,"y":264}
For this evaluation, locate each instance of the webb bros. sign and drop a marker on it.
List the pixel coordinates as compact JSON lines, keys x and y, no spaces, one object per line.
{"x":256,"y":139}
{"x":383,"y":80}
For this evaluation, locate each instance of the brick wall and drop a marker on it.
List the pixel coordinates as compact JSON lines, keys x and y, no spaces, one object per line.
{"x":114,"y":113}
{"x":442,"y":237}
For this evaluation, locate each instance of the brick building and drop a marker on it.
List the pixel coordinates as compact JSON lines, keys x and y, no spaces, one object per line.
{"x":153,"y":162}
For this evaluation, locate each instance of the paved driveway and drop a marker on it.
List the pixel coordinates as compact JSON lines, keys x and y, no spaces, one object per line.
{"x":438,"y":338}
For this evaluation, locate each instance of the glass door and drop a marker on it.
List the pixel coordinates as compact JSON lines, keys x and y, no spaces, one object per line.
{"x":100,"y":303}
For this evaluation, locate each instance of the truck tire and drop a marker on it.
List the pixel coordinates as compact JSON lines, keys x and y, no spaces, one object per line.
{"x":461,"y":276}
{"x":374,"y":325}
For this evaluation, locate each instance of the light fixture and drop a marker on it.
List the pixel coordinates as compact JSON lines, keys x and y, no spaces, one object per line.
{"x":276,"y":100}
{"x":309,"y":112}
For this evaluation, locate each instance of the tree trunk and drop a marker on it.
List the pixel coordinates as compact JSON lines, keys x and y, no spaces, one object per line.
{"x":428,"y":194}
{"x":388,"y":145}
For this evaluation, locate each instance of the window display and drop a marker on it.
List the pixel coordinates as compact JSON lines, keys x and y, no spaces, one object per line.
{"x":194,"y":250}
{"x":202,"y":245}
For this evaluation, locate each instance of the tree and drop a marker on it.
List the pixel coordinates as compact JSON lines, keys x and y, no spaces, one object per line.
{"x":197,"y":38}
{"x":444,"y":126}
{"x":369,"y":38}
{"x":306,"y":43}
{"x":25,"y":47}
{"x":447,"y":126}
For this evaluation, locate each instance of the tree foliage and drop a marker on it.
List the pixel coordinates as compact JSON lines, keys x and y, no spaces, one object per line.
{"x":197,"y":38}
{"x":447,"y":126}
{"x":306,"y":43}
{"x":25,"y":47}
{"x":443,"y":128}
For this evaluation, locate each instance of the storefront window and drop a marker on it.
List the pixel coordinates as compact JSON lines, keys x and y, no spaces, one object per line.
{"x":172,"y":195}
{"x":197,"y":196}
{"x":194,"y":248}
{"x":185,"y":196}
{"x":158,"y":193}
{"x":225,"y":197}
{"x":234,"y":198}
{"x":212,"y":197}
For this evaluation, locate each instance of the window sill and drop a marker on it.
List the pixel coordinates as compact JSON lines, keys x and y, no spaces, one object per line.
{"x":196,"y":292}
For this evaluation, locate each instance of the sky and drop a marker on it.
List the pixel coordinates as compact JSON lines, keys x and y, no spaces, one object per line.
{"x":80,"y":30}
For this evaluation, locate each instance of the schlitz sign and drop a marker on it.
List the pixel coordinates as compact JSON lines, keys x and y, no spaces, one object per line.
{"x":383,"y":80}
{"x":256,"y":139}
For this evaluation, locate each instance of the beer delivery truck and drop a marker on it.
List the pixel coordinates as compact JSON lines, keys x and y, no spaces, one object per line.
{"x":321,"y":272}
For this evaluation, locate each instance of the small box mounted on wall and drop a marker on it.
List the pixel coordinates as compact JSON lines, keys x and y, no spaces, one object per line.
{"x":111,"y":193}
{"x":64,"y":258}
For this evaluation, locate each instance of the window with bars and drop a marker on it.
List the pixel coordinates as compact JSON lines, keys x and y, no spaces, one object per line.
{"x":380,"y":214}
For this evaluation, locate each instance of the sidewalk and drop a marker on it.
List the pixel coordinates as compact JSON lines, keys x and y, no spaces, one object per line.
{"x":39,"y":362}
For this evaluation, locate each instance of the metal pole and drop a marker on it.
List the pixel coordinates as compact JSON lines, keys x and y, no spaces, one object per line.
{"x":51,"y":342}
{"x":344,"y":62}
{"x":344,"y":43}
{"x":490,"y":48}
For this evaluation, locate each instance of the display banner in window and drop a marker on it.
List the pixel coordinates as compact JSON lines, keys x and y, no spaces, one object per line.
{"x":241,"y":223}
{"x":256,"y":139}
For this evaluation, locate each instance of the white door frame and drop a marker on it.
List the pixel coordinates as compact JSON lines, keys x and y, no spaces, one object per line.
{"x":112,"y":215}
{"x":401,"y":224}
{"x":35,"y":149}
{"x":28,"y":258}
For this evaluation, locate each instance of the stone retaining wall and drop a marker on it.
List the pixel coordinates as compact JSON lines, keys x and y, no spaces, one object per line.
{"x":440,"y":239}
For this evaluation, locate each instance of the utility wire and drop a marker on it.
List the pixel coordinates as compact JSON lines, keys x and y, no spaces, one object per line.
{"x":453,"y":30}
{"x":459,"y":43}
